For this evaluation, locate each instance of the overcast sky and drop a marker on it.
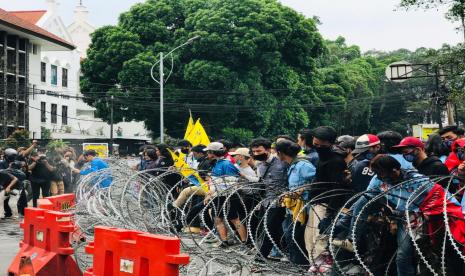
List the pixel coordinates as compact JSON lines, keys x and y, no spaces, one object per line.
{"x":371,"y":24}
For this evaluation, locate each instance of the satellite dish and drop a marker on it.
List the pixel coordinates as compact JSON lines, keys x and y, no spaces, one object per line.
{"x":399,"y":71}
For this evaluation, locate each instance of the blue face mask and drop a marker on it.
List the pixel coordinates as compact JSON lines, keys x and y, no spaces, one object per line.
{"x":448,"y":143}
{"x":409,"y":157}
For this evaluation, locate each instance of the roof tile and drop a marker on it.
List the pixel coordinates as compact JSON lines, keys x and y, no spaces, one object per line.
{"x":30,"y":16}
{"x":15,"y":22}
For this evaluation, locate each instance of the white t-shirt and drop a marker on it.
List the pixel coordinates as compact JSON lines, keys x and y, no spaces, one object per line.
{"x":249,"y":174}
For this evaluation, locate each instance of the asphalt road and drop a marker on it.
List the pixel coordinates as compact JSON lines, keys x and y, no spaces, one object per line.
{"x":10,"y":235}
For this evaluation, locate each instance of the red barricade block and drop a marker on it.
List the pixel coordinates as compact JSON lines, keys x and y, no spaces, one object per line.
{"x":60,"y":203}
{"x":57,"y":203}
{"x":47,"y":243}
{"x":119,"y":252}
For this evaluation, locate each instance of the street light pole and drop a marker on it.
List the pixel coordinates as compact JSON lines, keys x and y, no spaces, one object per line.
{"x":111,"y":125}
{"x":162,"y":136}
{"x":163,"y":80}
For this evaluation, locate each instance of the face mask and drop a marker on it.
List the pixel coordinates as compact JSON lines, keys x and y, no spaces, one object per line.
{"x":323,"y":150}
{"x":369,"y":155}
{"x":409,"y":157}
{"x":238,"y":163}
{"x":185,"y":151}
{"x":260,"y":157}
{"x":448,"y":143}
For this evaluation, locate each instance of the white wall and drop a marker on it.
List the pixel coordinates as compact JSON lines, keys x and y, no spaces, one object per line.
{"x":34,"y":81}
{"x":61,"y":59}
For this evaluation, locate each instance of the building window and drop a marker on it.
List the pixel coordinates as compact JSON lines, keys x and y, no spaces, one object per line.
{"x":43,"y":72}
{"x":64,"y":115}
{"x":34,"y":49}
{"x":64,"y":77}
{"x":54,"y":75}
{"x":54,"y":113}
{"x":43,"y":112}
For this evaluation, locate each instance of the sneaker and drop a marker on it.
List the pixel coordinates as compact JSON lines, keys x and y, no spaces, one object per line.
{"x":210,"y":239}
{"x":327,"y":265}
{"x":204,"y":232}
{"x":344,"y":244}
{"x":284,"y":259}
{"x":222,"y":244}
{"x":320,"y":260}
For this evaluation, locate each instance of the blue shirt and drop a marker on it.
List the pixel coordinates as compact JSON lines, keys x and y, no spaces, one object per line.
{"x":443,"y":158}
{"x":300,"y":173}
{"x":398,"y":196}
{"x":312,"y":156}
{"x":404,"y":164}
{"x":224,"y":167}
{"x":98,"y":164}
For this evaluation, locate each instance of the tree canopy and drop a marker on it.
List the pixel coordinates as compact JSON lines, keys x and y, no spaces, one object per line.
{"x":258,"y":68}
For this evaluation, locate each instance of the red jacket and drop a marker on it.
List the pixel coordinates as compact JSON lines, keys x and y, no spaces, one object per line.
{"x":453,"y":161}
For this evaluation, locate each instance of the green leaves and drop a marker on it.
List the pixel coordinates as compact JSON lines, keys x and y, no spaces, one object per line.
{"x":253,"y":55}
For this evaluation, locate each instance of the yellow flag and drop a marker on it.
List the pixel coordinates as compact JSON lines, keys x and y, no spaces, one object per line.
{"x":187,"y":171}
{"x":198,"y":135}
{"x":190,"y":126}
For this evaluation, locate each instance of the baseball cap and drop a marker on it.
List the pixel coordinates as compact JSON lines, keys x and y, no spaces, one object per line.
{"x":346,"y":142}
{"x":410,"y":142}
{"x":241,"y":151}
{"x":364,"y":142}
{"x":214,"y":146}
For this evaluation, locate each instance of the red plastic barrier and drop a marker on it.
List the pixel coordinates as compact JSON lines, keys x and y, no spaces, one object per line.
{"x":57,"y":203}
{"x":46,"y":243}
{"x":119,"y":252}
{"x":60,"y":203}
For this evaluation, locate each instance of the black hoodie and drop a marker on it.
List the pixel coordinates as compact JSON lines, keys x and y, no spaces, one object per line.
{"x":433,"y":166}
{"x":331,"y":170}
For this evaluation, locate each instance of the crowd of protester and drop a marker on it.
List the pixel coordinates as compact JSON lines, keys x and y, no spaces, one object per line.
{"x":317,"y":166}
{"x":27,"y":174}
{"x":296,"y":188}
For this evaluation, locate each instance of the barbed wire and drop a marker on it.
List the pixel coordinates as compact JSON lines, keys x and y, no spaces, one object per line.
{"x":146,"y":201}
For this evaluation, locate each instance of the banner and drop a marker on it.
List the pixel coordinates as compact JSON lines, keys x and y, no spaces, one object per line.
{"x":187,"y":171}
{"x":100,"y":148}
{"x":190,"y":127}
{"x":198,"y":135}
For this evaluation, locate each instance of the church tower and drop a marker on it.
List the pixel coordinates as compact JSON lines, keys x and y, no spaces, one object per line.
{"x":81,"y":29}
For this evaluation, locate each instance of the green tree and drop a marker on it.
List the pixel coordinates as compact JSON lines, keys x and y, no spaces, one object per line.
{"x":254,"y":65}
{"x":19,"y":138}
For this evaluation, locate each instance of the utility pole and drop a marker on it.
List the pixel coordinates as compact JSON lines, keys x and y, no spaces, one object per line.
{"x":162,"y":80}
{"x":162,"y":136}
{"x":438,"y":106}
{"x":402,"y":71}
{"x":111,"y":125}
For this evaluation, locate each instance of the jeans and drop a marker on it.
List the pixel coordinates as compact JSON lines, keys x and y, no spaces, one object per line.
{"x":295,"y":241}
{"x":356,"y":208}
{"x":405,"y":251}
{"x":12,"y":202}
{"x":36,"y":187}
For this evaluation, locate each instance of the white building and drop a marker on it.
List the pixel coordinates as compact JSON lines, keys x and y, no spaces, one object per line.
{"x":56,"y":103}
{"x":21,"y":44}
